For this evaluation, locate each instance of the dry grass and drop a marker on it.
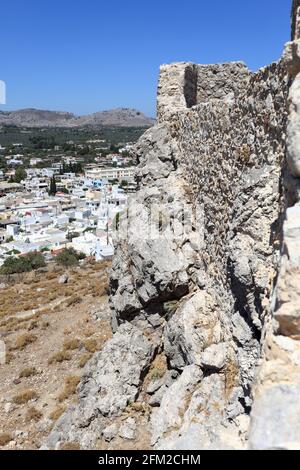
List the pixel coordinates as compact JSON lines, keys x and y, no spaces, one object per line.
{"x":41,"y":288}
{"x":156,"y":374}
{"x":5,"y":438}
{"x":25,"y":379}
{"x":24,"y":340}
{"x":33,"y":325}
{"x":157,"y":370}
{"x":25,"y":396}
{"x":8,"y":357}
{"x":71,"y":344}
{"x":51,"y":275}
{"x":231,"y":377}
{"x":57,"y":412}
{"x":32,"y":414}
{"x":60,"y":356}
{"x":90,"y":345}
{"x":73,"y":300}
{"x":89,"y":331}
{"x":28,"y":372}
{"x":84,"y":359}
{"x":71,"y":382}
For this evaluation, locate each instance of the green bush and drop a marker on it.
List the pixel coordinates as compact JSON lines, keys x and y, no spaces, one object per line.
{"x":22,"y":264}
{"x":69,"y":257}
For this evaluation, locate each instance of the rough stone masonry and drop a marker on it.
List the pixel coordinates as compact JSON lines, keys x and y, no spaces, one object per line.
{"x":206,"y":308}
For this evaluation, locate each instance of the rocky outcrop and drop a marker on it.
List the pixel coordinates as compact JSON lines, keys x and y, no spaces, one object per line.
{"x":274,"y":418}
{"x":204,"y":283}
{"x":111,"y":382}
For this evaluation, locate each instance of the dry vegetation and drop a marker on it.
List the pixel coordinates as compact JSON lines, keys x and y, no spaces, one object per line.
{"x":32,"y":414}
{"x":23,"y":340}
{"x":5,"y":438}
{"x":25,"y":396}
{"x":60,"y":356}
{"x":50,"y":334}
{"x":28,"y":372}
{"x":71,"y":382}
{"x":84,"y":359}
{"x":57,"y":412}
{"x":71,"y":344}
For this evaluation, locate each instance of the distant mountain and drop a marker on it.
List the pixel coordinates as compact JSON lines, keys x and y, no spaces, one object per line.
{"x":121,"y":117}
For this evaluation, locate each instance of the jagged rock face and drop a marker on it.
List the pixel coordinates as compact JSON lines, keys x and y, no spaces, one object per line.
{"x":221,"y":158}
{"x":111,"y":382}
{"x":274,"y":419}
{"x":206,"y":256}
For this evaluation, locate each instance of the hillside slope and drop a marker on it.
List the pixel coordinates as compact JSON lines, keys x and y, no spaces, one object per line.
{"x":120,"y":117}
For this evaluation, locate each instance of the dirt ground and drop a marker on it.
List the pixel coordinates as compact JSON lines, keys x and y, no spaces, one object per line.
{"x":49,"y":330}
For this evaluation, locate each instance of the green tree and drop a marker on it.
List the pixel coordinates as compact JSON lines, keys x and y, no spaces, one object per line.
{"x":20,"y":175}
{"x":52,"y":188}
{"x":22,"y":264}
{"x":69,"y":257}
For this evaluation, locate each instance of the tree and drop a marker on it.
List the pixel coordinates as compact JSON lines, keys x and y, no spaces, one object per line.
{"x":20,"y":175}
{"x":52,"y":188}
{"x":116,"y":222}
{"x":69,"y":257}
{"x":22,"y":264}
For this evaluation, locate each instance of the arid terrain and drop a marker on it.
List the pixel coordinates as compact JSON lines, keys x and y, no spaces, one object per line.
{"x":50,"y":329}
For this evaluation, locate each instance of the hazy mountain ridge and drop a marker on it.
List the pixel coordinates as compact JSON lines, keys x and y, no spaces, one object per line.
{"x":122,"y":117}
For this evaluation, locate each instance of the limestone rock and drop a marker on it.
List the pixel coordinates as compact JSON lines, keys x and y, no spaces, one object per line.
{"x":110,"y":382}
{"x":214,"y":357}
{"x":275,"y":418}
{"x":169,"y":415}
{"x":128,"y":429}
{"x":63,"y":279}
{"x":191,"y":329}
{"x":110,"y":432}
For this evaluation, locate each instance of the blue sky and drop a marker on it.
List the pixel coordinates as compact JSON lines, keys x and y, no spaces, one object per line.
{"x":85,"y":56}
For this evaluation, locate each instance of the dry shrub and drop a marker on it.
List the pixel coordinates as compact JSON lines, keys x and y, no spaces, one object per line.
{"x":5,"y":438}
{"x":51,"y":275}
{"x":33,"y":325}
{"x":98,"y":291}
{"x":60,"y":356}
{"x":24,"y":396}
{"x":24,"y":339}
{"x":73,"y":300}
{"x":45,"y":324}
{"x":71,"y":344}
{"x":57,"y":412}
{"x":28,"y":306}
{"x":89,"y":331}
{"x":32,"y":414}
{"x":28,"y":372}
{"x":84,"y":359}
{"x":71,"y":382}
{"x":9,"y":357}
{"x":52,"y":296}
{"x":157,"y":370}
{"x":70,"y":446}
{"x":67,"y":330}
{"x":90,"y":345}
